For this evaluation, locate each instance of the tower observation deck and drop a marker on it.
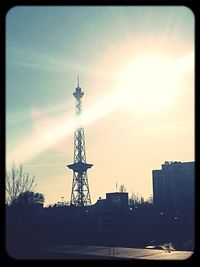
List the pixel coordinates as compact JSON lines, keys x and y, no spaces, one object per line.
{"x":80,"y":194}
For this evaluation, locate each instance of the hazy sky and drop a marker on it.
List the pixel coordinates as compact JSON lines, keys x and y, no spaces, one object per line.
{"x":136,"y":70}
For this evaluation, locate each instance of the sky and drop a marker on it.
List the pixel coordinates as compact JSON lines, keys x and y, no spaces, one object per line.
{"x":136,"y":68}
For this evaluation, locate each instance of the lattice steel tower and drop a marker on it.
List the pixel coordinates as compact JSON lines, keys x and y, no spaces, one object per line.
{"x":80,"y":195}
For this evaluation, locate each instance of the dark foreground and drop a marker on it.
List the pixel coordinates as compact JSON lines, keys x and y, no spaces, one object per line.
{"x":70,"y":233}
{"x":77,"y":252}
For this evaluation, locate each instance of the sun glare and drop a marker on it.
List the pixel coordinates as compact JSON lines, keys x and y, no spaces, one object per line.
{"x":148,"y":82}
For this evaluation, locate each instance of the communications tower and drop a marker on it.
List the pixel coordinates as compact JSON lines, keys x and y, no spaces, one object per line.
{"x":80,"y":195}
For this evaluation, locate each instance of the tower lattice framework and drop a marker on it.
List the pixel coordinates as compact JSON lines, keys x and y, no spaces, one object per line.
{"x":80,"y":194}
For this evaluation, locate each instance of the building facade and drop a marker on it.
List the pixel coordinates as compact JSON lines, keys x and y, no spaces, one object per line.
{"x":114,"y":200}
{"x":173,"y":187}
{"x":117,"y":200}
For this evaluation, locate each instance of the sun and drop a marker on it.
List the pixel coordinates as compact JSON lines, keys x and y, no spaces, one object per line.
{"x":148,"y":82}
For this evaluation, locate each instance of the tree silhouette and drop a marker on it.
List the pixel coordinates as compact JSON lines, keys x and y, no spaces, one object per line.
{"x":122,"y":188}
{"x":17,"y":182}
{"x":135,"y":200}
{"x":29,"y":197}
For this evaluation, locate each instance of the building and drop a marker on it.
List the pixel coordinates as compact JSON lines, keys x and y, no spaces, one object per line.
{"x":111,"y":211}
{"x":173,"y":187}
{"x":115,"y":200}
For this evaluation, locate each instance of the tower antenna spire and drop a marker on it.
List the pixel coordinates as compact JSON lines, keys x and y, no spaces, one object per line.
{"x":78,"y":81}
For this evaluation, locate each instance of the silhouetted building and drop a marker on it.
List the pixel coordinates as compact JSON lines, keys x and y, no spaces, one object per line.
{"x":117,"y":200}
{"x":173,"y":187}
{"x":101,"y":203}
{"x":111,"y":211}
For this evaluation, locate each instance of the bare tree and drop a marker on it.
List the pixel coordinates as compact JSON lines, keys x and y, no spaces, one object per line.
{"x":122,"y":188}
{"x":150,"y":199}
{"x":17,"y":182}
{"x":29,"y":197}
{"x":135,"y":199}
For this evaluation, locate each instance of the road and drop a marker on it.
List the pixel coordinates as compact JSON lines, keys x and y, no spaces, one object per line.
{"x":94,"y":252}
